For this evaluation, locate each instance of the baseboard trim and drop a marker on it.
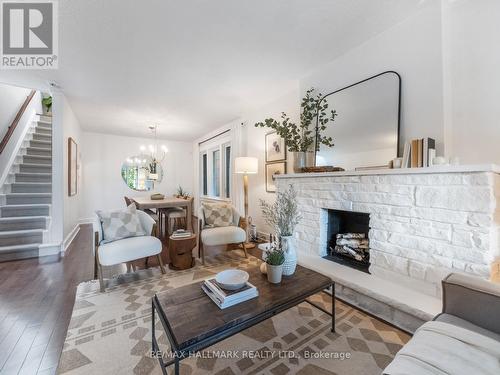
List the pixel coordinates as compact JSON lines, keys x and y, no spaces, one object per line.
{"x":49,"y":249}
{"x":86,"y":220}
{"x":69,"y":239}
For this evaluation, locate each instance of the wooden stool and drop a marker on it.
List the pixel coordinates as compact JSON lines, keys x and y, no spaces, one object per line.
{"x":181,"y":252}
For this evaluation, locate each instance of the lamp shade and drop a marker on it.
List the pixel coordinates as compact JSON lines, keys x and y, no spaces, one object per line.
{"x":246,"y":165}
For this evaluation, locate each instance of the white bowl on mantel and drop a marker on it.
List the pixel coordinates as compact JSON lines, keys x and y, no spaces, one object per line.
{"x":232,"y":279}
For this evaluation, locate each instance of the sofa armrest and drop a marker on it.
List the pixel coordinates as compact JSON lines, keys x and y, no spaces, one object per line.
{"x":472,"y":299}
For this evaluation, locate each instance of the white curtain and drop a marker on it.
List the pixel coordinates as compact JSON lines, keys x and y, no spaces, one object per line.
{"x":238,"y":148}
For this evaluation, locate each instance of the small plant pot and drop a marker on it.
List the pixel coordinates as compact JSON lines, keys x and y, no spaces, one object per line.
{"x":274,"y":273}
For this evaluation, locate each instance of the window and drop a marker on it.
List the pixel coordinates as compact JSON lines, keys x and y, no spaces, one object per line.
{"x":216,"y":173}
{"x":215,"y":167}
{"x":227,"y":170}
{"x":204,"y":176}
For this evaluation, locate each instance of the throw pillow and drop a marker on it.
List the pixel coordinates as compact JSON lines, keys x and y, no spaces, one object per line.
{"x":120,"y":224}
{"x":218,"y":214}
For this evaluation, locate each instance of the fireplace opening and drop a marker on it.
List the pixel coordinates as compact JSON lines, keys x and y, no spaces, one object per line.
{"x":347,"y":239}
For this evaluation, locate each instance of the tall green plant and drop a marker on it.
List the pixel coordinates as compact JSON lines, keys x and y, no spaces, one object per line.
{"x":283,"y":215}
{"x":300,"y":138}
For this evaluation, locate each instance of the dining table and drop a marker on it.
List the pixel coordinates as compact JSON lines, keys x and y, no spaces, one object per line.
{"x":143,"y":203}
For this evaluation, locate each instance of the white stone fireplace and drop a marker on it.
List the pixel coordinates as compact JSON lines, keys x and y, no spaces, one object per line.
{"x":424,"y":223}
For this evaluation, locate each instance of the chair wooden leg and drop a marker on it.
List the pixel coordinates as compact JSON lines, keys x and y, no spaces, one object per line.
{"x":101,"y":279}
{"x":202,"y":252}
{"x":160,"y":261}
{"x":244,"y":249}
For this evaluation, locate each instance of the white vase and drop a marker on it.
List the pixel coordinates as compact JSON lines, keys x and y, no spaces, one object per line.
{"x":274,"y":273}
{"x":288,"y":245}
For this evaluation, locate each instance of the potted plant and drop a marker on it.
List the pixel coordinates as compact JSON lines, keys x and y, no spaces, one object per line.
{"x":274,"y":264}
{"x":181,"y":193}
{"x":306,"y":137}
{"x":283,"y":216}
{"x":47,"y":104}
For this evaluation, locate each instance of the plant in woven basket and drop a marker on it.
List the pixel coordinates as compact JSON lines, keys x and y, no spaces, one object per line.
{"x":303,"y":137}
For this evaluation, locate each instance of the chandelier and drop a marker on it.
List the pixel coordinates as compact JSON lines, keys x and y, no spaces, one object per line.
{"x":155,"y":153}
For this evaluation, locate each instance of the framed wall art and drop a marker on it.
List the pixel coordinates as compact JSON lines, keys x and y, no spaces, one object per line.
{"x":275,"y":148}
{"x":272,"y":170}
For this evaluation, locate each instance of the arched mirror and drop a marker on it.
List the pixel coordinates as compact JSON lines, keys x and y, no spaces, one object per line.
{"x":366,"y":130}
{"x":140,"y":173}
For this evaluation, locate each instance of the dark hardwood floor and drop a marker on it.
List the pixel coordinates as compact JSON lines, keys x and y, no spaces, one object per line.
{"x":36,"y":302}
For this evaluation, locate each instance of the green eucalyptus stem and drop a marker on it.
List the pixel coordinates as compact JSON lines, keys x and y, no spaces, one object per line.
{"x":303,"y":137}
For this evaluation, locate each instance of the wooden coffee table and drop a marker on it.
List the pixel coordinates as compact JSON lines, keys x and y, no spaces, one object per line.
{"x":192,"y":322}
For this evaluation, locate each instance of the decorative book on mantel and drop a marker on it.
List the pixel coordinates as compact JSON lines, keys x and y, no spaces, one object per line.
{"x":419,"y":153}
{"x":226,"y":298}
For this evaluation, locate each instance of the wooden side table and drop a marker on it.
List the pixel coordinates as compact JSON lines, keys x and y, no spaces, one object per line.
{"x":181,"y":252}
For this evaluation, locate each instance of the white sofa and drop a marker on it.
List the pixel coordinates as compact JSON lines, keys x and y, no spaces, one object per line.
{"x":126,"y":249}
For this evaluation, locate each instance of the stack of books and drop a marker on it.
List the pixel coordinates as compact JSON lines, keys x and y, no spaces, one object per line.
{"x":181,"y":233}
{"x":227,"y":298}
{"x":419,"y":153}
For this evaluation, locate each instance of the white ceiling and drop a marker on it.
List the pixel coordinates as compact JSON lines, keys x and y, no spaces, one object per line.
{"x":191,"y":66}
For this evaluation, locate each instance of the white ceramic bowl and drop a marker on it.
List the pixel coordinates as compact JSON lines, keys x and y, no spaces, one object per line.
{"x":232,"y":279}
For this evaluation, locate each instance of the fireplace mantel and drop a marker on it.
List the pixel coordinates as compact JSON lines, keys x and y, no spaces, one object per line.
{"x":493,"y":168}
{"x":424,"y":222}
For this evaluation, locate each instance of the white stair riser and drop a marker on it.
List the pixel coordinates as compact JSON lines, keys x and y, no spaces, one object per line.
{"x":16,"y":199}
{"x":7,"y":211}
{"x":23,"y":224}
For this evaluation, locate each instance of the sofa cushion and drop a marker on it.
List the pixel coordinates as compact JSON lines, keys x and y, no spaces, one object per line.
{"x":452,"y":319}
{"x":222,"y":235}
{"x":120,"y":224}
{"x":217,"y":214}
{"x":128,"y":249}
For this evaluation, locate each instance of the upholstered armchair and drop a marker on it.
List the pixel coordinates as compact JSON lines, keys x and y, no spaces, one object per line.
{"x":126,"y":249}
{"x":217,"y":236}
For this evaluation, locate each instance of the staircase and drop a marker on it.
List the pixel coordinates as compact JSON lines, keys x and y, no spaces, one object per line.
{"x":27,"y":195}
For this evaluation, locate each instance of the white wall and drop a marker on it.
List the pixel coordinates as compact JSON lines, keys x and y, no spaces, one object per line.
{"x":11,"y":100}
{"x":103,"y":154}
{"x":471,"y":36}
{"x":413,"y":49}
{"x":290,"y":104}
{"x":71,"y":128}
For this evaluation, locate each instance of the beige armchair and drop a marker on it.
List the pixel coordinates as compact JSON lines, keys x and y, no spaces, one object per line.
{"x":217,"y":236}
{"x":126,"y":249}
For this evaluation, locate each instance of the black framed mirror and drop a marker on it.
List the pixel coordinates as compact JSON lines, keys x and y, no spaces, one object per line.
{"x":366,"y":131}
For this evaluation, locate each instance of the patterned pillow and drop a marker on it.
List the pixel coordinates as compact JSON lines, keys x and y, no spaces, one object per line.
{"x":120,"y":224}
{"x":218,"y":214}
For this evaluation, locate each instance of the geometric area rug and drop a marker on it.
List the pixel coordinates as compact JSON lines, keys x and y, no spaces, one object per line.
{"x":110,"y":333}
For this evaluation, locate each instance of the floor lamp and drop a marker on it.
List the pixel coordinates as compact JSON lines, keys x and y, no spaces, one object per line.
{"x":246,"y":166}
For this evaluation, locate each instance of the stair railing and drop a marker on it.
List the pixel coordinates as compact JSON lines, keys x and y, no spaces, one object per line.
{"x":13,"y":126}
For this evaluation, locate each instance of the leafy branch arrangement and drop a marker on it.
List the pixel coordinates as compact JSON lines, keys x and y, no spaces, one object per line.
{"x":283,"y":215}
{"x":301,"y":138}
